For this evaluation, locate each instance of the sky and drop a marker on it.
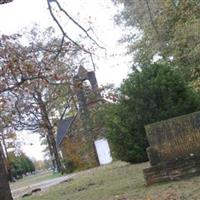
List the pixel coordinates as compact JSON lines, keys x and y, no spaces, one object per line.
{"x":112,"y":64}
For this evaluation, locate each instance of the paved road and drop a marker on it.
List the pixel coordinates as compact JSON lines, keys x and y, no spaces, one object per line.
{"x":42,"y":185}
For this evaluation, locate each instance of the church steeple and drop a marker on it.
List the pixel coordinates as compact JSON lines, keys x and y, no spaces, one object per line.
{"x":83,"y":99}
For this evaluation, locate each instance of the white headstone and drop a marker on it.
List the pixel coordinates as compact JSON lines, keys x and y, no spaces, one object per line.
{"x":103,"y":151}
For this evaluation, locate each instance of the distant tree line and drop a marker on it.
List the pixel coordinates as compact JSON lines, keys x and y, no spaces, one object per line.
{"x":20,"y":165}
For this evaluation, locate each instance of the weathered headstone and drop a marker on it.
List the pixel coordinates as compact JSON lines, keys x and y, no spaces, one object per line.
{"x":174,"y":150}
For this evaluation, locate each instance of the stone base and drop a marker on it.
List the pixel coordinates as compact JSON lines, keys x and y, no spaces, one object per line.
{"x":173,"y":170}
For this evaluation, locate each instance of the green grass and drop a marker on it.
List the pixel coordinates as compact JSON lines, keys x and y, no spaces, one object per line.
{"x":119,"y":181}
{"x":28,"y":180}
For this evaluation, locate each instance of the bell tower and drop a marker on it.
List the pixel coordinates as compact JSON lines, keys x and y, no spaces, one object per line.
{"x":86,"y":94}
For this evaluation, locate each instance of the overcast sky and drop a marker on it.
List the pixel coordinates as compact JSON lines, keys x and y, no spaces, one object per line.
{"x":24,"y":13}
{"x":112,"y":67}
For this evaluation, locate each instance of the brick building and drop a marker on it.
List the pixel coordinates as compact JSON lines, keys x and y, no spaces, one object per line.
{"x":81,"y":137}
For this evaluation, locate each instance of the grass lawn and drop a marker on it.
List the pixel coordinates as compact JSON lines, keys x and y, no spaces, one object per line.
{"x":119,"y":181}
{"x":28,"y":180}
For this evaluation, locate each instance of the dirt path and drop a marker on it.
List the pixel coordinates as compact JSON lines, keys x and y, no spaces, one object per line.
{"x":19,"y":192}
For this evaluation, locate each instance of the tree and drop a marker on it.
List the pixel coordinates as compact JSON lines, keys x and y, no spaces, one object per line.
{"x":20,"y":165}
{"x":168,"y":28}
{"x":34,"y":71}
{"x":39,"y":103}
{"x":5,"y":193}
{"x":56,"y":10}
{"x":156,"y":93}
{"x":8,"y":138}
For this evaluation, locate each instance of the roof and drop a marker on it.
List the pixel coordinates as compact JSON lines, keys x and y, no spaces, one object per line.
{"x":82,"y":73}
{"x":63,"y":128}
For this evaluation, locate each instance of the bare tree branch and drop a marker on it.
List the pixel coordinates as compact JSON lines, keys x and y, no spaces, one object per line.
{"x":62,"y":30}
{"x":151,"y":17}
{"x":92,"y":60}
{"x":65,"y":34}
{"x":19,"y":83}
{"x":61,"y":47}
{"x":77,"y":24}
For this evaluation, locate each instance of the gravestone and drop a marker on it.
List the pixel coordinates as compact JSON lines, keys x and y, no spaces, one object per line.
{"x":174,"y":150}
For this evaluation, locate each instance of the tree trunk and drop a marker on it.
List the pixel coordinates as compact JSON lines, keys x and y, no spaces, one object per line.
{"x":51,"y":152}
{"x":5,"y":193}
{"x":55,"y":150}
{"x":4,"y":145}
{"x":49,"y":127}
{"x":7,"y":158}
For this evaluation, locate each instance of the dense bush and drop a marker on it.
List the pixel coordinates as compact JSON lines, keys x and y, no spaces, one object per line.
{"x":156,"y":93}
{"x":69,"y":166}
{"x":20,"y":165}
